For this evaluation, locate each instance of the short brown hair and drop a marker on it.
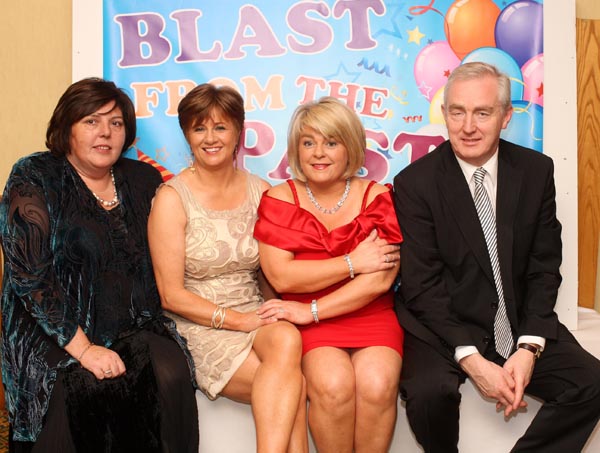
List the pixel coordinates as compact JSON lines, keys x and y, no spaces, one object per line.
{"x":81,"y":99}
{"x":200,"y":102}
{"x":332,"y":119}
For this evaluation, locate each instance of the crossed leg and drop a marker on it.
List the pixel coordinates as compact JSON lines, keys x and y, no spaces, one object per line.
{"x":271,"y":380}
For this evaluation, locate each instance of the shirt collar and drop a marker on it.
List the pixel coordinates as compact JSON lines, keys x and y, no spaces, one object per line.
{"x":491,"y":166}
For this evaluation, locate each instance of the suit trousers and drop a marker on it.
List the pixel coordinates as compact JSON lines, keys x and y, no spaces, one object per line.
{"x":565,"y":377}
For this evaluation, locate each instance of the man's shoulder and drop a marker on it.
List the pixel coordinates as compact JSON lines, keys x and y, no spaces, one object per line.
{"x":428,"y":164}
{"x":521,"y":156}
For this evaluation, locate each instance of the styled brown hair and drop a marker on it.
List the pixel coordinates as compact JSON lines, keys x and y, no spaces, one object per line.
{"x":81,"y":99}
{"x":332,"y":119}
{"x":200,"y":102}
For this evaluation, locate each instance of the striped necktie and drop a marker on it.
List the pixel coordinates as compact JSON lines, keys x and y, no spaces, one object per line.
{"x":502,"y":333}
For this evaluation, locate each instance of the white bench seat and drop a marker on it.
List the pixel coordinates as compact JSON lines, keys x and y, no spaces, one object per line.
{"x":228,"y":427}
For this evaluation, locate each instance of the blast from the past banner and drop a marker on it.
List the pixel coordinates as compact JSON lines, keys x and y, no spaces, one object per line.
{"x":388,"y":60}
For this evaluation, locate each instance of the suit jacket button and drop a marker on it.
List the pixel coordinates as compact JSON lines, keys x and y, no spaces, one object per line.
{"x":486,"y":340}
{"x":495,"y":305}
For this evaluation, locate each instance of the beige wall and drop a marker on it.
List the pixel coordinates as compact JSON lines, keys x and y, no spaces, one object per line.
{"x":35,"y":62}
{"x":587,"y":9}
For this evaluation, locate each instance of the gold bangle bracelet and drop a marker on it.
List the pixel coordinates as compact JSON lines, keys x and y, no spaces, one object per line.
{"x":89,"y":345}
{"x":218,"y":318}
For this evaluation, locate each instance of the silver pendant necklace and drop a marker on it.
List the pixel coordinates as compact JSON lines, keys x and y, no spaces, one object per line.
{"x":115,"y":200}
{"x":337,"y":206}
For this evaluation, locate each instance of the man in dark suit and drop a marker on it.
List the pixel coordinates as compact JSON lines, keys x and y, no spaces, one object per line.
{"x":480,"y":277}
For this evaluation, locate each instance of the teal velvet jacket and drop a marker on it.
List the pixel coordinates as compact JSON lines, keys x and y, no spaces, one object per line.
{"x":70,"y":263}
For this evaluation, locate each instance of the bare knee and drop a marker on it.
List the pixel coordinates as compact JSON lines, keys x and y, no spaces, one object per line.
{"x":378,"y":389}
{"x":280,"y":342}
{"x":333,"y":392}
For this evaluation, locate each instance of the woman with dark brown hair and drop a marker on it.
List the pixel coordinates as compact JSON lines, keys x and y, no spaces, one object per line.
{"x":89,"y":361}
{"x":206,"y":264}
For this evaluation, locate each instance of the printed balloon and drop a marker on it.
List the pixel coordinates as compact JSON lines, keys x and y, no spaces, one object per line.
{"x":520,"y":30}
{"x":505,"y":63}
{"x":469,"y":24}
{"x":433,"y":66}
{"x":526,"y":128}
{"x":435,"y":108}
{"x":533,"y":80}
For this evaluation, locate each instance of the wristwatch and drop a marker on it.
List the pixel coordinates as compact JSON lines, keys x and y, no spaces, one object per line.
{"x":533,"y":348}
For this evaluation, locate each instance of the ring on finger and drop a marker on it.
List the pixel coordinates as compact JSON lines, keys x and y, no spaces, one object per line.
{"x":280,"y":310}
{"x":387,"y":260}
{"x":107,"y":372}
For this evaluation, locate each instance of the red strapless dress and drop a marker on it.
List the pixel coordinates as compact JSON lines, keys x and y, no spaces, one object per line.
{"x":289,"y":227}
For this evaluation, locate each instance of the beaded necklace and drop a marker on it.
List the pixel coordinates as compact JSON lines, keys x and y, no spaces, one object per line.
{"x":337,"y":206}
{"x":115,"y":200}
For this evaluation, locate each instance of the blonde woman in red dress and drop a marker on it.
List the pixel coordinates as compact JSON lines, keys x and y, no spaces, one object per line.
{"x":328,"y":243}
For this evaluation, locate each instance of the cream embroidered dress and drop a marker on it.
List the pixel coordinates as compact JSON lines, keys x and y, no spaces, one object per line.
{"x":221,"y":265}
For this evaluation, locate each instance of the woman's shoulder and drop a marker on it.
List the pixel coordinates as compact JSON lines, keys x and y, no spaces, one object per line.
{"x":137,"y":169}
{"x":282,"y":191}
{"x":174,"y":187}
{"x":374,"y":186}
{"x":38,"y":160}
{"x":256,"y":181}
{"x":139,"y":180}
{"x":38,"y":169}
{"x":372,"y":189}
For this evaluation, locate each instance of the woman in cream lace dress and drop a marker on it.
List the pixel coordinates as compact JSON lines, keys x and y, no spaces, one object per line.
{"x":206,"y":264}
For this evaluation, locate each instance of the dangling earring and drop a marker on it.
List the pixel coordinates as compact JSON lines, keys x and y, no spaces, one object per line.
{"x":235,"y":153}
{"x":191,"y":164}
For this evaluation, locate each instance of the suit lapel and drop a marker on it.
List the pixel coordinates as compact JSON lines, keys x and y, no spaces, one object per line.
{"x":455,"y":191}
{"x":510,"y":179}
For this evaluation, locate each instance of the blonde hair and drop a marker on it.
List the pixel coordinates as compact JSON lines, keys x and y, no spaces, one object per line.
{"x":332,"y":119}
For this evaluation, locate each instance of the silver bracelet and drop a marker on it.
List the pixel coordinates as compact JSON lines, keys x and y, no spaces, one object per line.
{"x":349,"y":263}
{"x":314,"y":310}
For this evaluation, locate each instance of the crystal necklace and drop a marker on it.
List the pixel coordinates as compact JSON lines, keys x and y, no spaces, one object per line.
{"x":115,"y":200}
{"x":337,"y":206}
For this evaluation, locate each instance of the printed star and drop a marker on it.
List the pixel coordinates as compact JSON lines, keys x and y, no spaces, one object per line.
{"x":342,"y":69}
{"x":162,"y":154}
{"x":447,"y":73}
{"x":425,"y":89}
{"x":415,"y":36}
{"x":540,"y":90}
{"x":395,"y":11}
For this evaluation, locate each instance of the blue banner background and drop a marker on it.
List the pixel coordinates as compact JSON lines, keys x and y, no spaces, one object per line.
{"x":388,"y":60}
